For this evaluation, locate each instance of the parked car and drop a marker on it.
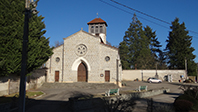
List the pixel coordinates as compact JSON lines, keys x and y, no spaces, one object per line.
{"x":153,"y":79}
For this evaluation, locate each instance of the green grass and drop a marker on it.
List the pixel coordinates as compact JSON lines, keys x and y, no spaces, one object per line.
{"x":29,"y":94}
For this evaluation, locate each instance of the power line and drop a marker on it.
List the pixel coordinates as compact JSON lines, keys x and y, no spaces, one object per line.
{"x":141,"y":12}
{"x":144,"y":18}
{"x":132,"y":14}
{"x":148,"y":15}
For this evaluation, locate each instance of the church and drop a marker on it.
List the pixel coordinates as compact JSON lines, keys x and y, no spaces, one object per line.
{"x":85,"y":57}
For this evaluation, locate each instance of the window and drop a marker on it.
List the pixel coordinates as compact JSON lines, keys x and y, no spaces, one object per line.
{"x":96,"y":29}
{"x":107,"y":58}
{"x":81,"y":50}
{"x":92,"y":29}
{"x":57,"y":59}
{"x":101,"y":29}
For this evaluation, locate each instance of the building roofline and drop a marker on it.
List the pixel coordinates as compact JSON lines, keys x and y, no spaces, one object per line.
{"x":109,"y":46}
{"x":97,"y":20}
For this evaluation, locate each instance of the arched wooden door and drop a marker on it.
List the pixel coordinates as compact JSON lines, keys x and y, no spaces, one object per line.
{"x":82,"y":73}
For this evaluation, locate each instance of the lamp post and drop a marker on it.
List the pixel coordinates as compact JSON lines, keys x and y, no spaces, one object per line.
{"x":22,"y":91}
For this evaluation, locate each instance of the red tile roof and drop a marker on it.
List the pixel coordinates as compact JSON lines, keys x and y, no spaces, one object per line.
{"x":97,"y":20}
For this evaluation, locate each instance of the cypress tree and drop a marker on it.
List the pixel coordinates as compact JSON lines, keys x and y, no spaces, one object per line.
{"x":138,"y":45}
{"x":11,"y":38}
{"x":124,"y":55}
{"x":154,"y":46}
{"x":132,"y":38}
{"x":179,"y":48}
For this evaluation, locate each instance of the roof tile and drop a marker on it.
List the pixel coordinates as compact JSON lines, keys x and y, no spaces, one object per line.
{"x":97,"y":20}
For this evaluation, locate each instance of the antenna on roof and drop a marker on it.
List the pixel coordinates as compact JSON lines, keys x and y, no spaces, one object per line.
{"x":97,"y":14}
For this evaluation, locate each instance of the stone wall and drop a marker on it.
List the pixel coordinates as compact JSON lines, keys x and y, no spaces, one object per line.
{"x":93,"y":58}
{"x":99,"y":104}
{"x":131,"y":75}
{"x":3,"y":88}
{"x":10,"y":85}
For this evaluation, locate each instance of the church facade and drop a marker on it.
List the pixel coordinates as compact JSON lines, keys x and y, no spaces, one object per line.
{"x":85,"y":57}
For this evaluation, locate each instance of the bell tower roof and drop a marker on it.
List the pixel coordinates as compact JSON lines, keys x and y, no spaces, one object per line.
{"x":97,"y":20}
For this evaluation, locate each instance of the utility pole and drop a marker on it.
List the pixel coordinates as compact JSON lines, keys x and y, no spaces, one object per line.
{"x":22,"y":91}
{"x":197,"y":71}
{"x":186,"y":68}
{"x":156,"y":75}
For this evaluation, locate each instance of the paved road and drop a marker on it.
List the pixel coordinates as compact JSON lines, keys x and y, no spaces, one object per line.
{"x":57,"y":94}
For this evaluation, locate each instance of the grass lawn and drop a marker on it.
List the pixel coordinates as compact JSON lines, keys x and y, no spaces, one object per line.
{"x":10,"y":98}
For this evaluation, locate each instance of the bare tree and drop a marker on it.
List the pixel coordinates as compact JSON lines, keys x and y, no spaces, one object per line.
{"x":57,"y":43}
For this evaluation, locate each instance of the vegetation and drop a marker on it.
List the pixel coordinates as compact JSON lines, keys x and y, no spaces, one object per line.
{"x":140,"y":48}
{"x":179,"y":48}
{"x":13,"y":97}
{"x":11,"y":38}
{"x":188,"y":100}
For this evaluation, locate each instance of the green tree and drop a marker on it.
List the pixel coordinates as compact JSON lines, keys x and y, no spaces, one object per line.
{"x":139,"y":54}
{"x":124,"y":55}
{"x":162,"y":61}
{"x":179,"y":48}
{"x":11,"y":38}
{"x":154,"y":43}
{"x":144,"y":58}
{"x":158,"y":57}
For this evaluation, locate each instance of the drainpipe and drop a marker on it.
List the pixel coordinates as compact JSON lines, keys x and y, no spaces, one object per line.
{"x":63,"y":62}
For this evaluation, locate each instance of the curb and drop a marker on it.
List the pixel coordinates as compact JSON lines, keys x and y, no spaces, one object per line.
{"x":39,"y":95}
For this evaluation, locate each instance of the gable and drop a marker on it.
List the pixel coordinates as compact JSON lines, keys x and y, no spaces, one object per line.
{"x":81,"y":32}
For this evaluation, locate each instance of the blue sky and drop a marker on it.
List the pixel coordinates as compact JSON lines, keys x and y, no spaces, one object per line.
{"x":65,"y":17}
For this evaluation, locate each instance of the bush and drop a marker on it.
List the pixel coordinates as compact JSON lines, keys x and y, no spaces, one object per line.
{"x":187,"y":101}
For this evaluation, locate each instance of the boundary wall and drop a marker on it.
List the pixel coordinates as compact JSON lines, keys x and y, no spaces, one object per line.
{"x":143,"y":75}
{"x":10,"y":84}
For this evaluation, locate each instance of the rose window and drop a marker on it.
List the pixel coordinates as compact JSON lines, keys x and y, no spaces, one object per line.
{"x":81,"y":50}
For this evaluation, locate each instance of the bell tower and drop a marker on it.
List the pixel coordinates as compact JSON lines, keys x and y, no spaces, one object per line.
{"x":98,"y":27}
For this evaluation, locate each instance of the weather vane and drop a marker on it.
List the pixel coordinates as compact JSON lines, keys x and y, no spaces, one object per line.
{"x":97,"y":14}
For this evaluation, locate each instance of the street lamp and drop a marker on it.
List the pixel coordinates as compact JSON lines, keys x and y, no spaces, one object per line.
{"x":22,"y":91}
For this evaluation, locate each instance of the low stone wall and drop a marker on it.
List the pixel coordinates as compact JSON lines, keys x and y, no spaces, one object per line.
{"x":3,"y":88}
{"x":145,"y":94}
{"x":10,"y":84}
{"x":97,"y":104}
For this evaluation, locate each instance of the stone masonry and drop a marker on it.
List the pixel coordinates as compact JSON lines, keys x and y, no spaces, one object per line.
{"x":94,"y":59}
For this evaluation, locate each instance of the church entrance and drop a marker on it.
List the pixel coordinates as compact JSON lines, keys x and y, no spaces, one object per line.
{"x":107,"y":75}
{"x":82,"y":73}
{"x":56,"y":76}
